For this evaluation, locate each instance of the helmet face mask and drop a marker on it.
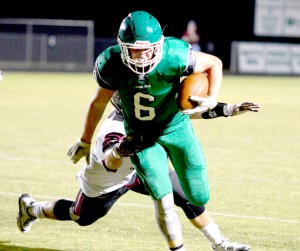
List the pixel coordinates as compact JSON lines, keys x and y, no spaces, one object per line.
{"x":140,"y":31}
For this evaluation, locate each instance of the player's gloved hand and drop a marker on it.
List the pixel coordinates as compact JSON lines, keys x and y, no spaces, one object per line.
{"x":204,"y":104}
{"x":128,"y":146}
{"x":78,"y":150}
{"x":237,"y":109}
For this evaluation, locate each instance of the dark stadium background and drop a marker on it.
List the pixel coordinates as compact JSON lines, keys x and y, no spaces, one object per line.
{"x":219,"y":22}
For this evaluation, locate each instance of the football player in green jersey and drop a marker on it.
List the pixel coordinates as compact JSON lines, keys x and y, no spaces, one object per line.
{"x":146,"y":68}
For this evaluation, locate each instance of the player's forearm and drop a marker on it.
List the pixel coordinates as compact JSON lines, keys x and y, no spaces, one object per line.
{"x":225,"y":110}
{"x":111,"y":161}
{"x":127,"y":146}
{"x":213,"y":67}
{"x":215,"y":76}
{"x":93,"y":117}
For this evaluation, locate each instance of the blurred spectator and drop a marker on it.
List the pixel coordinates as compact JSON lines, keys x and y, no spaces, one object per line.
{"x":192,"y":36}
{"x":210,"y":47}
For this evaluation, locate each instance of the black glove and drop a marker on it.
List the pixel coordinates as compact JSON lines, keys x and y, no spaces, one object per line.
{"x":128,"y":146}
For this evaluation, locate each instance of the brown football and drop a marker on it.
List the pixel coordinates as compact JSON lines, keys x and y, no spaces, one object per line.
{"x":195,"y":84}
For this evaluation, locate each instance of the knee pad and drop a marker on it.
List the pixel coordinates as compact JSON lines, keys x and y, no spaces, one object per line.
{"x":191,"y":211}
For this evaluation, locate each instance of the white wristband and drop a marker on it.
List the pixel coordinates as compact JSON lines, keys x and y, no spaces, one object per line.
{"x":228,"y":109}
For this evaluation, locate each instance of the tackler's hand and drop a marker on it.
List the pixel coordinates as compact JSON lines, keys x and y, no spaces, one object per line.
{"x":204,"y":104}
{"x":128,"y":146}
{"x":237,"y":109}
{"x":78,"y":150}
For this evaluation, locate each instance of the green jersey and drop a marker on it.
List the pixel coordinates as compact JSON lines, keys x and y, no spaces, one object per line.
{"x":149,"y":109}
{"x":148,"y":101}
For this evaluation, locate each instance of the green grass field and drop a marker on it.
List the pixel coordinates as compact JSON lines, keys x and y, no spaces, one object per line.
{"x":253,"y":165}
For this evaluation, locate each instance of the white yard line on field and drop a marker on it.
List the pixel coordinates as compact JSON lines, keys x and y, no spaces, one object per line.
{"x":223,"y":214}
{"x":124,"y":204}
{"x":33,"y":160}
{"x":15,"y":158}
{"x":254,"y":217}
{"x":264,"y":218}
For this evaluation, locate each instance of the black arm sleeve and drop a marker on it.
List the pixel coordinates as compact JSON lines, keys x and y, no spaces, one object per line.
{"x":218,"y":111}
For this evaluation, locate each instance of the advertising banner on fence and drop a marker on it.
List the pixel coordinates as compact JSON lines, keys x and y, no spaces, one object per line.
{"x":279,"y":18}
{"x":265,"y":58}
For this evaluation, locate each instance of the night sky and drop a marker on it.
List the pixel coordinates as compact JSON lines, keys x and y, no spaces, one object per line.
{"x":215,"y":18}
{"x":219,"y":21}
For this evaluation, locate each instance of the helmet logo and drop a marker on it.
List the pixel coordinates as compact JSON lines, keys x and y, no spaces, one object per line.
{"x":138,"y":42}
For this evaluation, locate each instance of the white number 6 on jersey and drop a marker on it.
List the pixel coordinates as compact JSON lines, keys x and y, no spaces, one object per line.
{"x":138,"y":107}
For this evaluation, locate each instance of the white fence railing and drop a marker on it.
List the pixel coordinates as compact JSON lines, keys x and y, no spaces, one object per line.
{"x":48,"y":44}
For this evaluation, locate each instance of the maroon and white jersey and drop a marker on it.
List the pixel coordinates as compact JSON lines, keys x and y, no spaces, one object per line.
{"x":96,"y":179}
